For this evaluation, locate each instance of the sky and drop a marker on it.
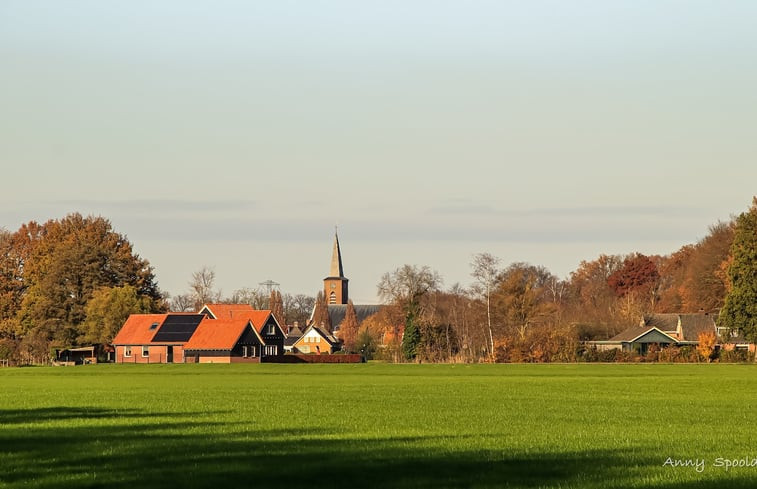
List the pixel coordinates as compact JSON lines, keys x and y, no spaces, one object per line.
{"x":238,"y":134}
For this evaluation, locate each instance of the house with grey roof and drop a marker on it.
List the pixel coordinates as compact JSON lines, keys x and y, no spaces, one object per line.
{"x":662,"y":330}
{"x":294,"y":334}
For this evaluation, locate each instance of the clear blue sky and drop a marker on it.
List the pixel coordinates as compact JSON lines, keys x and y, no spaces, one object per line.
{"x":236,"y":134}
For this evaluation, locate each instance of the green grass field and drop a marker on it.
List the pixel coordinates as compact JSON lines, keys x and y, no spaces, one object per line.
{"x":376,"y":426}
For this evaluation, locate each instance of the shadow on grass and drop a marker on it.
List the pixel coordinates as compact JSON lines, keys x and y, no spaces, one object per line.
{"x":166,"y":450}
{"x":26,"y":416}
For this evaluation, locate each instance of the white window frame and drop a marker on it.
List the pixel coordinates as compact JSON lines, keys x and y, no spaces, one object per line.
{"x":145,"y":351}
{"x":127,"y":351}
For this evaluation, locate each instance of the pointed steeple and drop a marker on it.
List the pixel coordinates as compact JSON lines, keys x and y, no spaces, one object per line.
{"x":336,"y":259}
{"x":335,"y":286}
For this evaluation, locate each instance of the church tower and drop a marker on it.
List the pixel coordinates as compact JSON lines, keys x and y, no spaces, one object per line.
{"x":335,"y":285}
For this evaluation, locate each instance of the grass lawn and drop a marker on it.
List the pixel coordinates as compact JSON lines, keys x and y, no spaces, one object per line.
{"x":377,"y":426}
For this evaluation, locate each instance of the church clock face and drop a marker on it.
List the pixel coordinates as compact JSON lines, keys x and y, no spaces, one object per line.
{"x":333,"y":285}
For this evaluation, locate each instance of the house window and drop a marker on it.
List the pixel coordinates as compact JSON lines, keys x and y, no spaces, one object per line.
{"x":127,"y":351}
{"x":271,"y":350}
{"x":244,"y":351}
{"x":271,"y":329}
{"x":252,"y":351}
{"x":145,"y":351}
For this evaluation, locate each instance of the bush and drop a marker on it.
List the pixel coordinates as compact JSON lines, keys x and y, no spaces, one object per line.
{"x":735,"y":356}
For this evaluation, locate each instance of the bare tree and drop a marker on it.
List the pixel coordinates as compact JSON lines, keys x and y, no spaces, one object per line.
{"x":201,"y":287}
{"x":297,"y":308}
{"x":182,"y":303}
{"x":257,"y":298}
{"x":405,"y":287}
{"x":485,"y":271}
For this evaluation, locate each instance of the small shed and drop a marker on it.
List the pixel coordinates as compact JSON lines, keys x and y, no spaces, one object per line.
{"x":77,"y":356}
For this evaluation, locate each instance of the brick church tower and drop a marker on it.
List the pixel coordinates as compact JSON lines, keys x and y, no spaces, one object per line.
{"x":335,"y":285}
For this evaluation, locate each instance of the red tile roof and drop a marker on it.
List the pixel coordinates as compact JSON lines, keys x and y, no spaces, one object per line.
{"x":217,"y":334}
{"x":259,"y":318}
{"x":228,"y":311}
{"x":238,"y":311}
{"x":136,"y":330}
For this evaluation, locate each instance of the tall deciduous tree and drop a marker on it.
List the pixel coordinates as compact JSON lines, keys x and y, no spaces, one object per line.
{"x":67,"y":261}
{"x":297,"y":308}
{"x":637,"y":275}
{"x":107,"y":311}
{"x":740,"y":310}
{"x":485,"y":271}
{"x":348,"y":329}
{"x":202,"y":287}
{"x":522,"y":296}
{"x":256,"y":298}
{"x":182,"y":303}
{"x":406,"y":287}
{"x":593,"y":302}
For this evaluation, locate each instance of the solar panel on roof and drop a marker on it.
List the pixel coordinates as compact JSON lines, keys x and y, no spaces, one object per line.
{"x":177,"y":328}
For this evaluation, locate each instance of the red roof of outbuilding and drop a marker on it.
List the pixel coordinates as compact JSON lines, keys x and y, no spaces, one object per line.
{"x":217,"y":334}
{"x":137,"y":329}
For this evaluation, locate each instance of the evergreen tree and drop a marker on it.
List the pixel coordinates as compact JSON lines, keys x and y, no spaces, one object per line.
{"x":411,"y":339}
{"x":365,"y":344}
{"x":321,"y":318}
{"x":348,"y":329}
{"x":276,"y":305}
{"x":740,"y":310}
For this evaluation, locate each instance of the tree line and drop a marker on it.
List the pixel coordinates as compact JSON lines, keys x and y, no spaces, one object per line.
{"x":66,"y":282}
{"x":75,"y":280}
{"x":523,"y":313}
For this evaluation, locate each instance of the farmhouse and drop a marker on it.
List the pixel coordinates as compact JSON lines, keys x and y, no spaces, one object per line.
{"x":661,"y":329}
{"x":219,"y":332}
{"x":155,"y":338}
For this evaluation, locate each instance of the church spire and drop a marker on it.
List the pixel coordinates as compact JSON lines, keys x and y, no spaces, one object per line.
{"x":335,"y":286}
{"x":336,"y":259}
